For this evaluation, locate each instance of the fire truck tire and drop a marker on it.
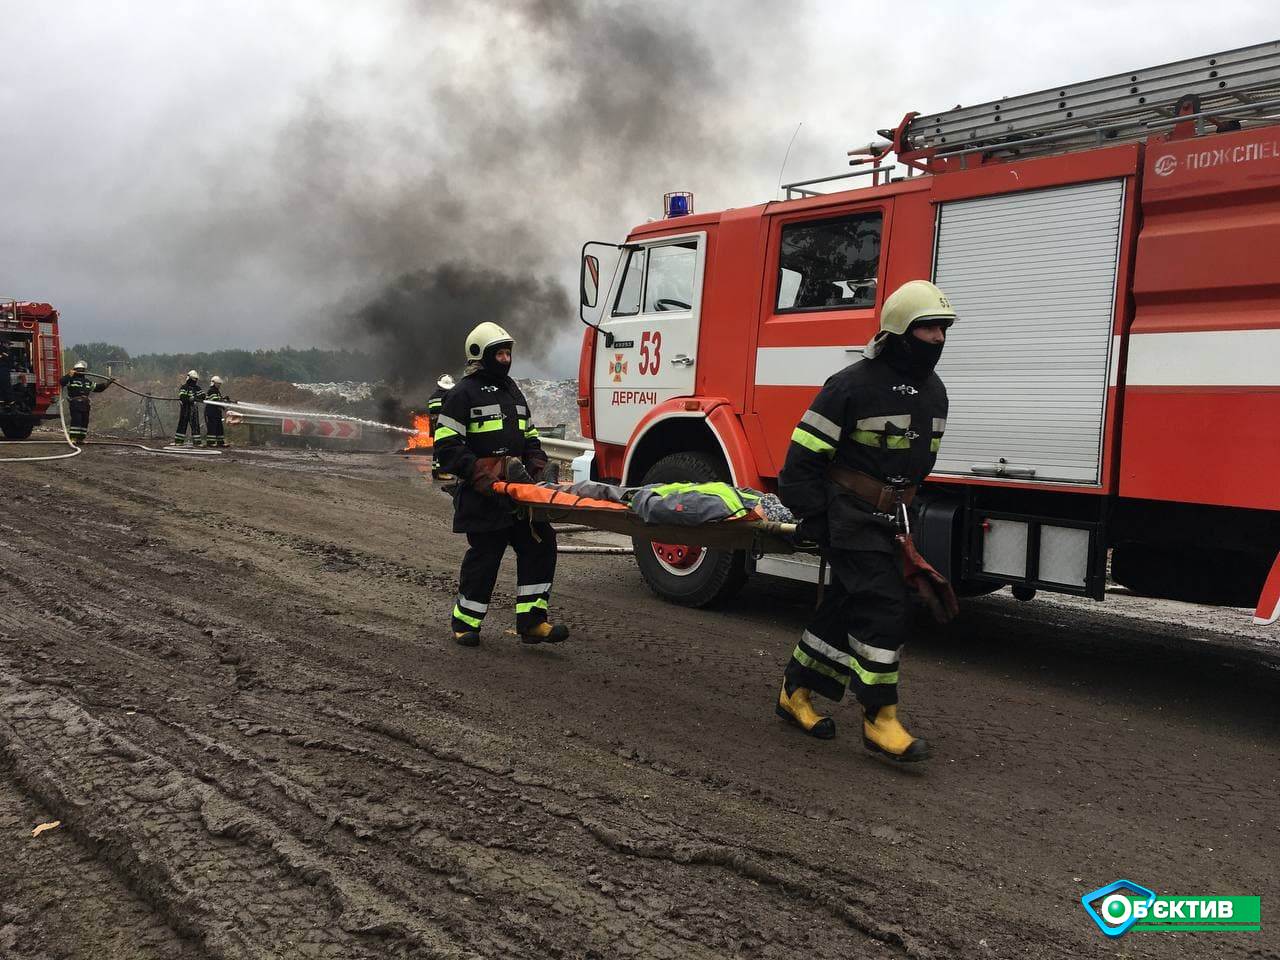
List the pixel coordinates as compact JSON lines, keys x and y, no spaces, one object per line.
{"x":17,"y":428}
{"x":714,"y":576}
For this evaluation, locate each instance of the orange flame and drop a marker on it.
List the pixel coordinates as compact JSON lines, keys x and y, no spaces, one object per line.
{"x":422,"y":439}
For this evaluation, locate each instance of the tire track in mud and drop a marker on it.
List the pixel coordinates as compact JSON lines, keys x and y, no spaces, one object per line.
{"x":624,"y":919}
{"x":331,"y":725}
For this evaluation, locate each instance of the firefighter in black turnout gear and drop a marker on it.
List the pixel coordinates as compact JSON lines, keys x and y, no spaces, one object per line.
{"x":853,"y":465}
{"x":214,"y":431}
{"x":435,"y":403}
{"x":485,"y":433}
{"x":189,"y":395}
{"x":79,"y":389}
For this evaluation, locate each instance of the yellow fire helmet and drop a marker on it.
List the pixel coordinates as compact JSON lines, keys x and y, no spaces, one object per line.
{"x":485,"y":336}
{"x":912,"y":302}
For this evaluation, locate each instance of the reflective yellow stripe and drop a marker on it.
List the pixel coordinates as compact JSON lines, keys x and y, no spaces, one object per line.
{"x":444,"y":432}
{"x":810,"y":442}
{"x":935,"y":444}
{"x":868,"y":438}
{"x":487,"y":427}
{"x":895,"y":442}
{"x":869,"y":678}
{"x":465,"y":618}
{"x":539,"y":604}
{"x":805,"y":660}
{"x":531,"y":434}
{"x":523,"y":423}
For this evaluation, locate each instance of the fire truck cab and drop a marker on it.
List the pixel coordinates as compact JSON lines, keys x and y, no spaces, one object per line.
{"x":1114,"y":376}
{"x":29,"y":334}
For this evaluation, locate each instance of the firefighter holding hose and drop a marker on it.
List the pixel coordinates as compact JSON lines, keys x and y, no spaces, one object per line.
{"x":853,"y":466}
{"x":214,"y":429}
{"x":189,"y":395}
{"x":485,"y":433}
{"x":80,"y":386}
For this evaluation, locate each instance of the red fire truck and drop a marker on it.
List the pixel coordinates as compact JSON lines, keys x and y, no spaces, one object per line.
{"x":29,"y":333}
{"x":1114,"y":377}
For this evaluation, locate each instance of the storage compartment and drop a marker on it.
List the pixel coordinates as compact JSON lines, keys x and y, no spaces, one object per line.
{"x":1032,"y":276}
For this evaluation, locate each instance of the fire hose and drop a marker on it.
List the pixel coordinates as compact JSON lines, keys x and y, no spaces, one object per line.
{"x":75,"y":451}
{"x":263,"y":410}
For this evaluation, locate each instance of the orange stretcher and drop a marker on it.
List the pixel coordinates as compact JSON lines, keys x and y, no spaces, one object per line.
{"x":751,"y":532}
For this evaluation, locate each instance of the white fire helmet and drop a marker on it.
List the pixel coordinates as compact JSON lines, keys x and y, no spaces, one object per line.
{"x":485,"y":336}
{"x":912,"y":302}
{"x":80,"y":365}
{"x":445,"y":382}
{"x":216,"y":380}
{"x":193,"y":374}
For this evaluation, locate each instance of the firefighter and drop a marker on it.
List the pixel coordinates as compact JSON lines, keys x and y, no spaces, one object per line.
{"x":79,"y":388}
{"x":189,"y":394}
{"x":435,"y":402}
{"x":213,"y":413}
{"x":485,"y":433}
{"x":852,"y":468}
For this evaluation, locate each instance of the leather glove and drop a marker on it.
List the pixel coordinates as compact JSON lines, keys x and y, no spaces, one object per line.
{"x":933,"y":588}
{"x":814,"y":530}
{"x":486,"y":471}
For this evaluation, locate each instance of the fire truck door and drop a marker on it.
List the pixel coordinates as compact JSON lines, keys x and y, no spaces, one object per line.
{"x":646,"y":352}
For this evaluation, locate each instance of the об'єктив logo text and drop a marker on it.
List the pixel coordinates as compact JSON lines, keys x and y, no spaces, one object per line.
{"x":1124,"y":905}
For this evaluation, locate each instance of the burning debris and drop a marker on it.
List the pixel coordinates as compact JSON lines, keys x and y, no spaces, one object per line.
{"x":419,"y":442}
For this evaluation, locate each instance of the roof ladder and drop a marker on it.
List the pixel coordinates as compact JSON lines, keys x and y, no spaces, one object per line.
{"x":1237,"y":85}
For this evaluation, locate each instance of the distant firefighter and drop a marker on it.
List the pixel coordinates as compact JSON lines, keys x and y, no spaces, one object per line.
{"x":189,"y":395}
{"x":213,"y":413}
{"x":435,"y":402}
{"x":79,"y":388}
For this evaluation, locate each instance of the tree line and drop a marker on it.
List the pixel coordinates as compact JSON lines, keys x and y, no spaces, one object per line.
{"x":285,"y":363}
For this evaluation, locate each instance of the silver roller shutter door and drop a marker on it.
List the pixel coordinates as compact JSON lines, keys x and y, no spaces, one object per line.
{"x":1032,"y":276}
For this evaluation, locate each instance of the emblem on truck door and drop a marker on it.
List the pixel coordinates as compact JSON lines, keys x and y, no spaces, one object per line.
{"x":618,"y":367}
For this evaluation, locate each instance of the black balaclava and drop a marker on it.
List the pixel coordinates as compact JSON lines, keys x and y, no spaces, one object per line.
{"x":489,"y":361}
{"x":909,"y":354}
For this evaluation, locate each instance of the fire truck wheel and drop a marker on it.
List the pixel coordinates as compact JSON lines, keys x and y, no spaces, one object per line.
{"x":689,"y":576}
{"x":17,"y":428}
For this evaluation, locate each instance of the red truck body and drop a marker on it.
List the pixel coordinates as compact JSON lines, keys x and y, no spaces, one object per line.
{"x":1114,"y":374}
{"x":30,"y":332}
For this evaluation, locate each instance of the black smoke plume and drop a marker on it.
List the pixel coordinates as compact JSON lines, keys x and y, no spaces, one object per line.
{"x":420,"y":319}
{"x":575,"y":109}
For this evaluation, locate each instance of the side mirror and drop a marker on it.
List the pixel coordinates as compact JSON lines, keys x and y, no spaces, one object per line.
{"x":589,"y":281}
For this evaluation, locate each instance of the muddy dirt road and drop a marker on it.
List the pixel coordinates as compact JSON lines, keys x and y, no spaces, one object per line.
{"x":232,"y":682}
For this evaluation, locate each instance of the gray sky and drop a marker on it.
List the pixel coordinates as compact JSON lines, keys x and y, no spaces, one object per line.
{"x":197,"y":175}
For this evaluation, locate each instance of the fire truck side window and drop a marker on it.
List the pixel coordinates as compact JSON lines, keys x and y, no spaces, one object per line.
{"x":671,"y":270}
{"x":628,"y":302}
{"x":829,"y":264}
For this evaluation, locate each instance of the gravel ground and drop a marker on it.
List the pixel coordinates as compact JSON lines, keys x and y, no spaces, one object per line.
{"x":232,"y":682}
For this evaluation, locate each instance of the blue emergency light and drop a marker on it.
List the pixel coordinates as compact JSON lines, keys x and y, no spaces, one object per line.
{"x":678,"y":204}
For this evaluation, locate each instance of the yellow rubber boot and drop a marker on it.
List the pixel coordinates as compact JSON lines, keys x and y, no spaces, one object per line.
{"x":797,"y":707}
{"x":546,"y":633}
{"x":886,"y":735}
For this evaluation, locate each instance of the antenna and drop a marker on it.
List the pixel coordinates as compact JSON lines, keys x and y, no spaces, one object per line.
{"x":787,"y":156}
